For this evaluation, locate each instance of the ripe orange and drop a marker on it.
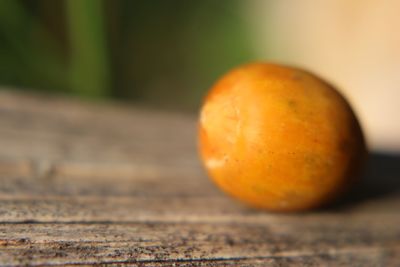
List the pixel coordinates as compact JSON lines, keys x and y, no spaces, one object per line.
{"x":279,"y":138}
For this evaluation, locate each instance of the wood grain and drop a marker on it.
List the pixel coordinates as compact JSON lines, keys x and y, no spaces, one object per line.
{"x":92,"y":183}
{"x":87,"y":243}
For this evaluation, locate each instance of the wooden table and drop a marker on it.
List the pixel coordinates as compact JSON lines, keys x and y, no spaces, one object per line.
{"x":97,"y":183}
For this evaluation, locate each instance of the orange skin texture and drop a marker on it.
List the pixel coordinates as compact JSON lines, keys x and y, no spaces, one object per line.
{"x":279,"y":138}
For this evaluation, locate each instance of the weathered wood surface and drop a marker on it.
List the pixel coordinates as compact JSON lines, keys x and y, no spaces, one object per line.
{"x":96,"y":184}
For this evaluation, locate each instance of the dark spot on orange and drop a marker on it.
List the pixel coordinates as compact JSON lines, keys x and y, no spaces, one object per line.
{"x":296,"y":76}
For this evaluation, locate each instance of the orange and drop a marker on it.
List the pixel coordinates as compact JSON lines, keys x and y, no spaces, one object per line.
{"x":279,"y":138}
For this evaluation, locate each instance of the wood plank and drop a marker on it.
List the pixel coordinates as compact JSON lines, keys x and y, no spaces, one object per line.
{"x":87,"y":243}
{"x":175,"y":209}
{"x":52,"y":129}
{"x":68,"y":198}
{"x":91,"y":183}
{"x":118,"y":179}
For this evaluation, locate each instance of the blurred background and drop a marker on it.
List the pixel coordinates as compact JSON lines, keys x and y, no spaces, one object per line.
{"x":166,"y":54}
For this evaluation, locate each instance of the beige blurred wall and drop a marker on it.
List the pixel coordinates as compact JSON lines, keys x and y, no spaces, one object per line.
{"x":355,"y":44}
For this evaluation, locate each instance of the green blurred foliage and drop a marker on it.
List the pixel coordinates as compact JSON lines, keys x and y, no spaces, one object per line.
{"x":29,"y":56}
{"x":166,"y":53}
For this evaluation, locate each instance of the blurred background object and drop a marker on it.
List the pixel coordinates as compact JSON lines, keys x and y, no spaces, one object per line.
{"x":164,"y":53}
{"x":168,"y":53}
{"x":354,"y":44}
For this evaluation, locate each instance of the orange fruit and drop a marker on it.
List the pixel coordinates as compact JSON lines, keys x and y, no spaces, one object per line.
{"x":279,"y":138}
